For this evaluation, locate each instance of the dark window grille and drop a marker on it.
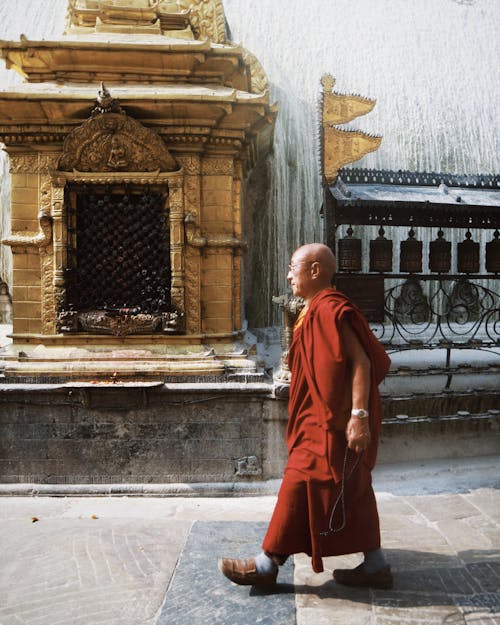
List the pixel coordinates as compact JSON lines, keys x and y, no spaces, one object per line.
{"x":118,"y":250}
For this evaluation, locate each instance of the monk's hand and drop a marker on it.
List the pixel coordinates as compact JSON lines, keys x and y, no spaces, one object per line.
{"x":358,"y":434}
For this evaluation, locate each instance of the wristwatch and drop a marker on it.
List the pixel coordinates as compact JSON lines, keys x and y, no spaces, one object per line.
{"x":361,"y":413}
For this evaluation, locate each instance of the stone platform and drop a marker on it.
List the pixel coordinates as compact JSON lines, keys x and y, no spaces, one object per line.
{"x":158,"y":431}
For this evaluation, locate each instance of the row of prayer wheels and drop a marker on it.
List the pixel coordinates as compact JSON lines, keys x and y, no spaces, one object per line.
{"x":410,"y":254}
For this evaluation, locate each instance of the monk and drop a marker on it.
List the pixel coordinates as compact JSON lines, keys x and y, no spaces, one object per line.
{"x":326,"y":505}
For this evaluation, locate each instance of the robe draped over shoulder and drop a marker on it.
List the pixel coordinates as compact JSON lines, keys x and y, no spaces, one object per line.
{"x":319,"y":408}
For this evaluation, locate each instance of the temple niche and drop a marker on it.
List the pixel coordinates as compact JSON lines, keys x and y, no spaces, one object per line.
{"x":129,"y":144}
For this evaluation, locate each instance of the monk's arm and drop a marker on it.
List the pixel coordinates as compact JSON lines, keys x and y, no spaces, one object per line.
{"x":358,"y":430}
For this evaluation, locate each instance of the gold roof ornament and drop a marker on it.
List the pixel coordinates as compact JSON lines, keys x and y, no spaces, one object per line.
{"x":341,"y":147}
{"x":180,"y":19}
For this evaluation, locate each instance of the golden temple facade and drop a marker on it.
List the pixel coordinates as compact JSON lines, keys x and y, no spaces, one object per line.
{"x":142,"y":105}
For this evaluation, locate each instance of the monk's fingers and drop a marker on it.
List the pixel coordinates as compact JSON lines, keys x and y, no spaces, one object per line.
{"x":364,"y":442}
{"x":358,"y":445}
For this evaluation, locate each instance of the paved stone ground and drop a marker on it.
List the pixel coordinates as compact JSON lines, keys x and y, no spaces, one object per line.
{"x":197,"y":596}
{"x":112,"y":561}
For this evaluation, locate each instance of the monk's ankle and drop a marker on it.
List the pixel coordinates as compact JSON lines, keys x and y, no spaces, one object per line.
{"x":264,"y":564}
{"x":374,"y":561}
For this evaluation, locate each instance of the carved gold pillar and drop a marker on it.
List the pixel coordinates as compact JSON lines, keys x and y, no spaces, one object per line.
{"x":192,"y":201}
{"x":176,"y":202}
{"x":237,"y":259}
{"x":60,"y":242}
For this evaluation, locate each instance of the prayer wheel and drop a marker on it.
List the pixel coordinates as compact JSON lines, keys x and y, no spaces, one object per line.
{"x":349,"y":252}
{"x":468,"y":255}
{"x":410,"y":254}
{"x":493,"y":254}
{"x":381,"y":253}
{"x":440,"y":254}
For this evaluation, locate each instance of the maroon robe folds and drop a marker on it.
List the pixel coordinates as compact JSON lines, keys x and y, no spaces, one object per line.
{"x":322,"y":475}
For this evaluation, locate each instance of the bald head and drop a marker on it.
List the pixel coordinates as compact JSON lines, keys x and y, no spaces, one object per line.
{"x":322,"y":254}
{"x":311,"y":270}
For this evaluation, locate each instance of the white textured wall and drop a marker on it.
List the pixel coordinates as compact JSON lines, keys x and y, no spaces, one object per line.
{"x":432,"y":65}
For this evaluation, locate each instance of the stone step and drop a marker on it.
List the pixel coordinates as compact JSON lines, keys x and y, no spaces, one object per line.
{"x":422,"y":438}
{"x":445,"y":403}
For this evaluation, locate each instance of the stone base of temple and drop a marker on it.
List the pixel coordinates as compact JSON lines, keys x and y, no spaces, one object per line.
{"x":154,"y":433}
{"x":111,"y":359}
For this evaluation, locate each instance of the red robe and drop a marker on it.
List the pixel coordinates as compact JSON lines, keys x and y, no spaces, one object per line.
{"x":319,"y":408}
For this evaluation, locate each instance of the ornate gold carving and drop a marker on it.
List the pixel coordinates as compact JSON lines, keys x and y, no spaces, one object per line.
{"x":33,"y":163}
{"x":48,"y":294}
{"x":195,"y":238}
{"x":225,"y":241}
{"x":115,"y":142}
{"x":238,"y":171}
{"x":173,"y":17}
{"x":192,"y":196}
{"x":217,"y":166}
{"x":237,"y":206}
{"x":42,"y":238}
{"x":340,"y":147}
{"x":258,"y":78}
{"x":45,"y":196}
{"x":193,"y":232}
{"x":192,"y":290}
{"x":48,"y":161}
{"x":190,"y":164}
{"x":343,"y":147}
{"x":177,"y":247}
{"x":101,"y":322}
{"x":132,"y":16}
{"x":207,"y":20}
{"x":113,"y":178}
{"x":9,"y":138}
{"x":291,"y":307}
{"x":23,"y":163}
{"x":48,"y":308}
{"x":340,"y":109}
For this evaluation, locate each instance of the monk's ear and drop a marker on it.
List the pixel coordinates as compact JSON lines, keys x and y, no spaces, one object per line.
{"x":315,"y":269}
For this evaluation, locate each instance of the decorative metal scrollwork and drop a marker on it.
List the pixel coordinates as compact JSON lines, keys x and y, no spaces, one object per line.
{"x":454,"y":313}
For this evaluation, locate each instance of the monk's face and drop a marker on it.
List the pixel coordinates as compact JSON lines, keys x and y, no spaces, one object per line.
{"x":300,"y":275}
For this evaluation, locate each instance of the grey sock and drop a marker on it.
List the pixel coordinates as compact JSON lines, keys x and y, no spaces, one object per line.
{"x":264,"y":564}
{"x":374,"y":560}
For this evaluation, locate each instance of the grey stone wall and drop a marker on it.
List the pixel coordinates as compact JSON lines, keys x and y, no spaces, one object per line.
{"x":180,"y":433}
{"x":116,"y":435}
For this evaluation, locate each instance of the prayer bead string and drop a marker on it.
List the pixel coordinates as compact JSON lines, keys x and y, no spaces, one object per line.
{"x":341,"y":496}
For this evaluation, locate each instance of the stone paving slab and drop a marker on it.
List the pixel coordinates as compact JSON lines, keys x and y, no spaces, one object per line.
{"x":85,"y":571}
{"x":440,"y":527}
{"x":200,"y":595}
{"x":445,"y":554}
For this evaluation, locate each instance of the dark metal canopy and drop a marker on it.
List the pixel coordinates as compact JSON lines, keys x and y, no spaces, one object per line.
{"x":363,"y":196}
